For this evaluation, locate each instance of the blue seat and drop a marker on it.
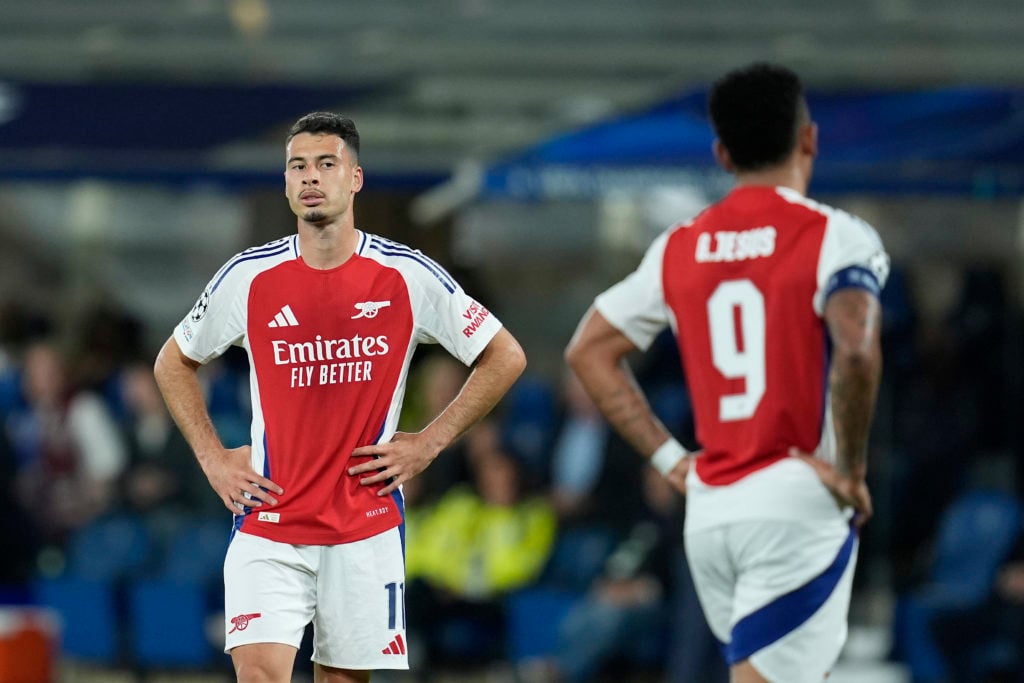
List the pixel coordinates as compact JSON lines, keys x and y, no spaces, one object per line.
{"x":195,"y":553}
{"x":111,"y":548}
{"x":88,"y":621}
{"x":101,"y":558}
{"x":578,"y":557}
{"x":533,"y":619}
{"x":975,"y":536}
{"x":168,"y":620}
{"x":169,"y":612}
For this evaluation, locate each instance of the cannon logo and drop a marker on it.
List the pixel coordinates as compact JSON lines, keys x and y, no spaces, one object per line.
{"x":241,"y":622}
{"x":369,"y":309}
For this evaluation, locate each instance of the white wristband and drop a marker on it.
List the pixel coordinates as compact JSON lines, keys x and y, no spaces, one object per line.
{"x":668,"y":456}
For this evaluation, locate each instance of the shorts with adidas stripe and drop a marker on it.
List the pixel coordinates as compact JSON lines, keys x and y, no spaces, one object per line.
{"x":354,"y":593}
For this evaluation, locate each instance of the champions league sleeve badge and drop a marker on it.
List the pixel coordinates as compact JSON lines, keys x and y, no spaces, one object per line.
{"x":199,"y":310}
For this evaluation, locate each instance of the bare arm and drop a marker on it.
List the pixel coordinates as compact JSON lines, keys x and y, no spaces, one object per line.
{"x":499,"y":365}
{"x":229,"y":471}
{"x":597,"y":355}
{"x":853,"y":317}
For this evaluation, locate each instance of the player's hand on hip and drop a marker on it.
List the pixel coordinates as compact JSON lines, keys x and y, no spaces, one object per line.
{"x":677,"y":477}
{"x":848,"y":491}
{"x":239,"y":486}
{"x":392,"y":463}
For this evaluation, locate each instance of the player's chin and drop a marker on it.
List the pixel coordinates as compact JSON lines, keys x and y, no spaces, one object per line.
{"x":314,"y":216}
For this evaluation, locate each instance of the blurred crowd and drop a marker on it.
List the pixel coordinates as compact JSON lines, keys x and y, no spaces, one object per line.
{"x":539,"y":539}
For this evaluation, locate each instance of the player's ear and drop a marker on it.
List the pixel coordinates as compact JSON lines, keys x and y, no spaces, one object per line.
{"x":807,"y":139}
{"x":357,"y":178}
{"x":722,"y":156}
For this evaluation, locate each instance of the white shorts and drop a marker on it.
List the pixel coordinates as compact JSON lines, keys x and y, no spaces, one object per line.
{"x":354,"y":593}
{"x":776,"y":593}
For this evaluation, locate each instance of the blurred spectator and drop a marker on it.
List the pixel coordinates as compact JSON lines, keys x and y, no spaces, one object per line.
{"x":986,"y":643}
{"x":20,"y":540}
{"x":226,"y":382}
{"x":528,"y":425}
{"x":625,"y":613}
{"x":951,"y":414}
{"x":68,"y":449}
{"x":18,"y":328}
{"x":478,"y":542}
{"x":578,"y":455}
{"x":958,"y":624}
{"x":162,"y":477}
{"x":436,"y":382}
{"x":104,"y":340}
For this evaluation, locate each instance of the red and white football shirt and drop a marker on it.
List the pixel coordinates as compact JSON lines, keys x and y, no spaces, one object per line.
{"x":329,"y":354}
{"x":743,"y":286}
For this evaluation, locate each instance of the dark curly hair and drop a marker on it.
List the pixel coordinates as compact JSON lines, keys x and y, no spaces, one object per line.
{"x":756,"y":112}
{"x":321,"y":122}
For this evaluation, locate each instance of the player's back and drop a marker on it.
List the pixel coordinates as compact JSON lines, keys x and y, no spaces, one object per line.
{"x":742,"y":281}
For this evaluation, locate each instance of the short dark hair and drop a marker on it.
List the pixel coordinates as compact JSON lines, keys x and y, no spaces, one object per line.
{"x":756,"y":112}
{"x":325,"y":122}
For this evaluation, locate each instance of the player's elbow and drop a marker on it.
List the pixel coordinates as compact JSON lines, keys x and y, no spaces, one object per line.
{"x":516,"y":359}
{"x":160,"y":364}
{"x":506,"y":352}
{"x":574,"y":355}
{"x":169,"y":360}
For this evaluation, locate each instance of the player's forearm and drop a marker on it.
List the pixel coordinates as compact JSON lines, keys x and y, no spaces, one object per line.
{"x":179,"y":384}
{"x":613,"y":388}
{"x":854,"y":386}
{"x":499,"y":366}
{"x":597,"y":354}
{"x":854,"y":319}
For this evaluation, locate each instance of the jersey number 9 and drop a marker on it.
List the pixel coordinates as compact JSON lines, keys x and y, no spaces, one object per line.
{"x":736,"y":320}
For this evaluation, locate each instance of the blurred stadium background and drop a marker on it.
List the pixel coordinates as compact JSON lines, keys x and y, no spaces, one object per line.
{"x":535,"y":148}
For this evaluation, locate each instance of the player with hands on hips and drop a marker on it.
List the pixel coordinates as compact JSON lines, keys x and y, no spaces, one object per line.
{"x":774,"y":301}
{"x":330,"y":317}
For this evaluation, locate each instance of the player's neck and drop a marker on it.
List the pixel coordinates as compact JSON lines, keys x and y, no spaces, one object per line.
{"x":788,"y":175}
{"x":326,"y":246}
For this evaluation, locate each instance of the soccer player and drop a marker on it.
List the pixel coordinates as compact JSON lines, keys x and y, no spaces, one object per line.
{"x":774,"y":302}
{"x":330,"y":318}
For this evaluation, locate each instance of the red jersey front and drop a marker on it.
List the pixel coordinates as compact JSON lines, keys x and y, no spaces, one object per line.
{"x":329,"y":351}
{"x":744,"y":285}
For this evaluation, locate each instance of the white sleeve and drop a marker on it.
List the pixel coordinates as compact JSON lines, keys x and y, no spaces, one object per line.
{"x":218,"y":319}
{"x":446,"y":315}
{"x":94,"y":431}
{"x":636,"y":305}
{"x":852,"y":255}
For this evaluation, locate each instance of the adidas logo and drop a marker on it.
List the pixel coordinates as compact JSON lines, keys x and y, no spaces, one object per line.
{"x":284,"y":318}
{"x":396,"y":647}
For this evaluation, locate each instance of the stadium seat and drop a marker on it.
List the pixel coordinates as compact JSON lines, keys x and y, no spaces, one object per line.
{"x":976,"y":534}
{"x":111,"y":548}
{"x":196,"y":552}
{"x":534,"y":616}
{"x":88,"y":618}
{"x":101,"y":558}
{"x":168,"y":620}
{"x":169,"y":612}
{"x":577,"y":558}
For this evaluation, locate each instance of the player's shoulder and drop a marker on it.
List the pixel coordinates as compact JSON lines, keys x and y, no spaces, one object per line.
{"x":412,"y":263}
{"x":250,"y":262}
{"x":837,"y":219}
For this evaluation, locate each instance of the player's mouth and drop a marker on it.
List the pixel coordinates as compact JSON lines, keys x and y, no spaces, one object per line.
{"x":311,"y":198}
